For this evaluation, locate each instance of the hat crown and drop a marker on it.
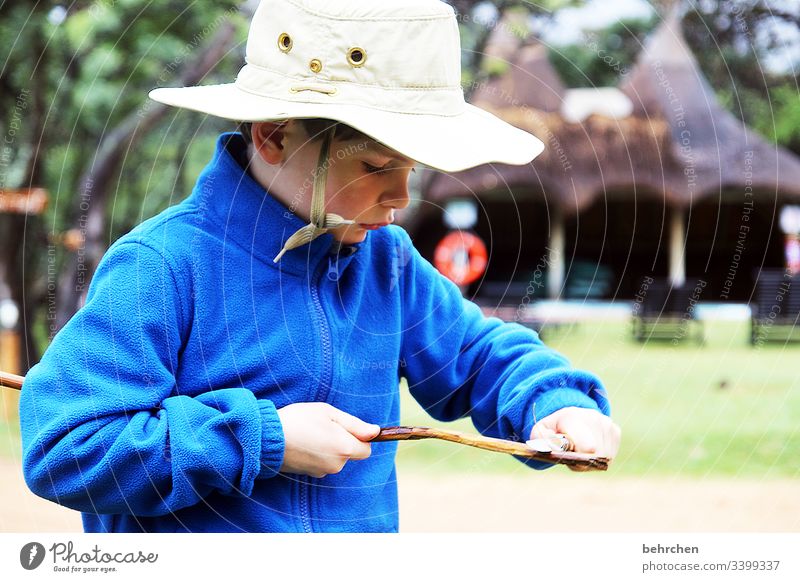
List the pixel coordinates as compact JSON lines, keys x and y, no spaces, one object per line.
{"x":379,"y":44}
{"x":373,"y":9}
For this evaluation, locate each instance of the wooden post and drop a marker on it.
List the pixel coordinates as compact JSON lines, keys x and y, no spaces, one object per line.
{"x":555,"y":254}
{"x":9,"y":362}
{"x":20,"y":204}
{"x":677,"y":247}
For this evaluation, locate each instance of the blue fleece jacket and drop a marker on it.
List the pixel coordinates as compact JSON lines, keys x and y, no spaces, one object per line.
{"x":154,"y":408}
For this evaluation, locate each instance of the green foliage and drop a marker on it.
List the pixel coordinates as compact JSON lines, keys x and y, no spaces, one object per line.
{"x":77,"y":80}
{"x":162,"y":170}
{"x":474,"y":34}
{"x":604,"y":57}
{"x":723,"y":38}
{"x":784,"y":103}
{"x":10,"y":439}
{"x":774,"y":113}
{"x":79,"y":28}
{"x":494,"y":66}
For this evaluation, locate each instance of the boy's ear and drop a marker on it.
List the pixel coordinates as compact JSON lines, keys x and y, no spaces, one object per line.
{"x":268,"y":140}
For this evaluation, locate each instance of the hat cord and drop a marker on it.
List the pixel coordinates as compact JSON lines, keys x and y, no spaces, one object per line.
{"x":320,"y":221}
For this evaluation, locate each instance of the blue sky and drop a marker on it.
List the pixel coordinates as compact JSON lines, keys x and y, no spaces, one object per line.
{"x":570,"y":22}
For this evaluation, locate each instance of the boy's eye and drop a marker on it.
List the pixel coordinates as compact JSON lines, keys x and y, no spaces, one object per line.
{"x":371,"y":169}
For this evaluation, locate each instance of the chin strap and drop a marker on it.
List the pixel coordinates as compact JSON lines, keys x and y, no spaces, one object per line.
{"x":320,"y":221}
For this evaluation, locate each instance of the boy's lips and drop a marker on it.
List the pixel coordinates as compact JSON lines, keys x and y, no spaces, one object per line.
{"x":373,"y":226}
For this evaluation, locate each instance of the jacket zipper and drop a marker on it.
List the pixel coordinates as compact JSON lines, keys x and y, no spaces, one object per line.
{"x":304,"y":504}
{"x":325,"y":380}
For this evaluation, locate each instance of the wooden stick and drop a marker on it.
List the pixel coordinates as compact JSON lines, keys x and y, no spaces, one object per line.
{"x":410,"y":433}
{"x":405,"y":433}
{"x":11,"y":380}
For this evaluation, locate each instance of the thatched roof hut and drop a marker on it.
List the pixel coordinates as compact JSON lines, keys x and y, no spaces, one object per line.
{"x":672,"y":148}
{"x":678,"y":144}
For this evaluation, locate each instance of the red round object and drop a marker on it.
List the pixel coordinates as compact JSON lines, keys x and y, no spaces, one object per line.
{"x":461,"y":257}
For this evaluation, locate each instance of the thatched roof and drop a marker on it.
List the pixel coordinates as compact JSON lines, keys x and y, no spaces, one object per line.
{"x":581,"y":161}
{"x":678,"y":144}
{"x":530,"y":81}
{"x":724,"y":153}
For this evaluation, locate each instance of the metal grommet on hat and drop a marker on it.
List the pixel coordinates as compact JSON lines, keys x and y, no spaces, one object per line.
{"x":357,"y":56}
{"x":285,"y":42}
{"x":315,"y":65}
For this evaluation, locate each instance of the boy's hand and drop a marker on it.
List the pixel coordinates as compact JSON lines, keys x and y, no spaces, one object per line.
{"x":320,"y":439}
{"x":590,"y":431}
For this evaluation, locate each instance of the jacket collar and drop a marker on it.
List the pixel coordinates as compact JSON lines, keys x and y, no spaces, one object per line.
{"x":252,"y":218}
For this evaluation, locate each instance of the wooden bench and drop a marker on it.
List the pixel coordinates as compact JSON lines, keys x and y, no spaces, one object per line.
{"x":511,"y":301}
{"x":662,"y":311}
{"x":775,"y":315}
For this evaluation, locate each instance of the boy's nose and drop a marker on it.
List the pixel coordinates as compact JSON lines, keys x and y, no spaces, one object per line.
{"x":398,"y":203}
{"x":397,"y":198}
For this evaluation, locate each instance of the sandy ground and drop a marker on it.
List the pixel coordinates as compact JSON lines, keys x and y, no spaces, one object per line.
{"x":564,"y":502}
{"x":539,"y":502}
{"x":22,"y":511}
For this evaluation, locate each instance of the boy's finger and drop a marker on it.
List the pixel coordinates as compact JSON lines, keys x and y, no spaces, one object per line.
{"x":582,"y":438}
{"x":363,"y":431}
{"x":540,"y":431}
{"x":360,"y":451}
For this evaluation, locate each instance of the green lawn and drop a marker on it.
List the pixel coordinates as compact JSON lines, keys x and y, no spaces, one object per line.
{"x":722,"y":409}
{"x":10,"y":447}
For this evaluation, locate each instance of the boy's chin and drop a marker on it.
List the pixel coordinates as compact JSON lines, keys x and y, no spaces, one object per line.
{"x":350,"y":235}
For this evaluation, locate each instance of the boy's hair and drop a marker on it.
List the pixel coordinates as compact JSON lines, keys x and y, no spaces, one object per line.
{"x":314,"y":128}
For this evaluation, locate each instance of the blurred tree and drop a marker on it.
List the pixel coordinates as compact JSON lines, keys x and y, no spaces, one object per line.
{"x":604,"y":56}
{"x":24,"y":110}
{"x":478,"y":20}
{"x":733,"y":40}
{"x":133,"y":116}
{"x":73,"y":86}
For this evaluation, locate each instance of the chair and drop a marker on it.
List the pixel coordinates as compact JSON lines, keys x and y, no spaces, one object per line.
{"x":510,"y":301}
{"x":662,"y":311}
{"x":776,"y":312}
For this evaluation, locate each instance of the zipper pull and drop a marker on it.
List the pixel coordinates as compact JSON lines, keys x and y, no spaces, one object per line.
{"x":333,"y":268}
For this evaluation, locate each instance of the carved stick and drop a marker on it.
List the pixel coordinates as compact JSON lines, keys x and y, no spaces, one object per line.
{"x":406,"y":433}
{"x":11,"y":380}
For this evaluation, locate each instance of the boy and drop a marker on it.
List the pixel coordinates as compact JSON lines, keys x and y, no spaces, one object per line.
{"x":232,"y":363}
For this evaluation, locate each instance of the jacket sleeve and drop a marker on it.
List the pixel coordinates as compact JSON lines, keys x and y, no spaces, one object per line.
{"x":104,"y":427}
{"x":460,"y":363}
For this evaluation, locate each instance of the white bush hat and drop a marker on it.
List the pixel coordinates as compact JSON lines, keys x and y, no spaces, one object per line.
{"x":388,"y":68}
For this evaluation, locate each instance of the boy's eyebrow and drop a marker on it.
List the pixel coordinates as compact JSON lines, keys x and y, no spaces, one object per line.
{"x":390,"y":153}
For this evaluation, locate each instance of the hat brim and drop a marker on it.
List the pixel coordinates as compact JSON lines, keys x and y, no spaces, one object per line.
{"x":449,"y":143}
